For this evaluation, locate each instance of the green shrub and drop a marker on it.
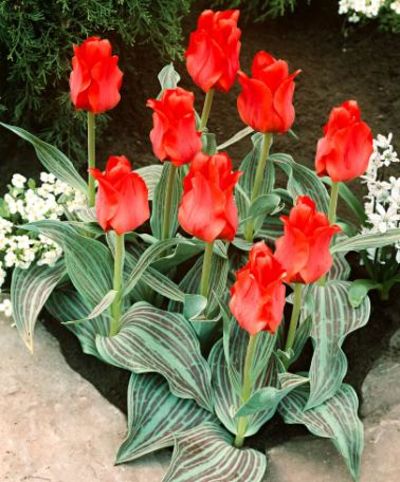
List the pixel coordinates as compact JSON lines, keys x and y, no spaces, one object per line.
{"x":36,"y":38}
{"x":259,"y":9}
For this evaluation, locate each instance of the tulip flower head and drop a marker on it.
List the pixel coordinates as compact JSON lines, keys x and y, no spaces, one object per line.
{"x":258,"y":294}
{"x":95,"y":79}
{"x":303,"y":250}
{"x":208,"y":210}
{"x":122,"y":198}
{"x":174,"y":136}
{"x":212,"y":58}
{"x":266,"y":100}
{"x":343,"y":153}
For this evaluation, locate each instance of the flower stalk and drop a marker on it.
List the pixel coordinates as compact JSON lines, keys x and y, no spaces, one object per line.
{"x":247,"y":388}
{"x":119,"y":259}
{"x":91,"y":137}
{"x":169,"y":194}
{"x":205,"y":114}
{"x":258,"y":180}
{"x":206,"y":270}
{"x":294,"y":319}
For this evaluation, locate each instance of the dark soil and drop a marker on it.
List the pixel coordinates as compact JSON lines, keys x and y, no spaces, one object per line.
{"x":364,"y":66}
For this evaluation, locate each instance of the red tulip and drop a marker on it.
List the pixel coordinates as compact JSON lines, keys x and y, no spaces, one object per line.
{"x":258,"y":294}
{"x":265,"y":103}
{"x":344,"y":151}
{"x":303,"y":250}
{"x":95,"y":79}
{"x":212,"y":58}
{"x":208,"y":210}
{"x":122,"y":198}
{"x":174,"y":136}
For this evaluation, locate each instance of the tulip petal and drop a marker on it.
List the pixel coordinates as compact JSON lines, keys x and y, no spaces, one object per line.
{"x":107,"y":79}
{"x":292,"y":251}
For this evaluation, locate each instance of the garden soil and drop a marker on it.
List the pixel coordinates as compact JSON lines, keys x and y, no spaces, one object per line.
{"x":336,"y":65}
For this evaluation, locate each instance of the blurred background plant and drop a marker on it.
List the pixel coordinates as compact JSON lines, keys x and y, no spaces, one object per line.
{"x":386,"y":11}
{"x":36,"y":38}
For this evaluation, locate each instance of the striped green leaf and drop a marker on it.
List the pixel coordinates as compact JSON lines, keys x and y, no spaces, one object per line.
{"x":335,"y":419}
{"x":341,"y":268}
{"x":156,"y":417}
{"x":69,"y":305}
{"x":30,"y":289}
{"x":104,"y":304}
{"x":153,"y":340}
{"x":52,"y":159}
{"x":158,"y":208}
{"x":205,"y":454}
{"x":235,"y":138}
{"x":149,"y":256}
{"x":89,"y":262}
{"x":151,"y":176}
{"x":246,"y":181}
{"x":333,"y":319}
{"x":227,"y":363}
{"x":367,"y":241}
{"x":302,"y":180}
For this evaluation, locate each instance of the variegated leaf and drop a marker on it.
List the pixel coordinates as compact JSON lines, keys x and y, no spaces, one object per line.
{"x":335,"y":419}
{"x":151,"y":340}
{"x":205,"y":454}
{"x":333,"y":319}
{"x":69,"y":305}
{"x":52,"y":159}
{"x":367,"y":241}
{"x":156,"y":417}
{"x":302,"y":180}
{"x":30,"y":289}
{"x":151,"y":176}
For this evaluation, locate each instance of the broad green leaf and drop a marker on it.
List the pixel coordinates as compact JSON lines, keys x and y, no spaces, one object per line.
{"x":156,"y":417}
{"x":205,"y":453}
{"x":359,"y":290}
{"x":302,"y":334}
{"x":30,"y":289}
{"x":168,"y":77}
{"x":69,"y":305}
{"x":227,"y":380}
{"x":89,"y":262}
{"x":302,"y":180}
{"x":235,"y":138}
{"x":153,"y":340}
{"x":52,"y":159}
{"x":341,"y":268}
{"x":151,"y":176}
{"x":149,"y":256}
{"x":367,"y":241}
{"x":263,"y":205}
{"x":333,"y":319}
{"x":158,"y":207}
{"x":335,"y":419}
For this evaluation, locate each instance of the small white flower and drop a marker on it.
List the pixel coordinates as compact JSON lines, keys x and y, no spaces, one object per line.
{"x":18,"y":181}
{"x":6,"y":308}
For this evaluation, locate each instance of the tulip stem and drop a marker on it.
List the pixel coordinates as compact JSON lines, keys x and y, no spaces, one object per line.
{"x":205,"y":113}
{"x":333,"y":202}
{"x":247,"y":388}
{"x":294,"y":319}
{"x":206,"y":270}
{"x":119,"y":258}
{"x":258,"y":180}
{"x":91,"y":136}
{"x":169,"y":194}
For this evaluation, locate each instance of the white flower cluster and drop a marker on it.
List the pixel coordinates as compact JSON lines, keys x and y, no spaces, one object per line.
{"x":356,"y":9}
{"x":25,"y":203}
{"x":382,"y":204}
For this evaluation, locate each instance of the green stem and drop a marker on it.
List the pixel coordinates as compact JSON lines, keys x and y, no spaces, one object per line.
{"x":247,"y":387}
{"x":294,"y":319}
{"x":205,"y":114}
{"x":119,"y":258}
{"x":91,"y":136}
{"x":206,"y":269}
{"x":333,"y":202}
{"x":169,"y":194}
{"x":258,"y":180}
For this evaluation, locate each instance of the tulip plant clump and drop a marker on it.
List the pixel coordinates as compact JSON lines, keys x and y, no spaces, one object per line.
{"x":180,"y":271}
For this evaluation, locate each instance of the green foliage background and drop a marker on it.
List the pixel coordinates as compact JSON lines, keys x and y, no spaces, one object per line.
{"x":36,"y":38}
